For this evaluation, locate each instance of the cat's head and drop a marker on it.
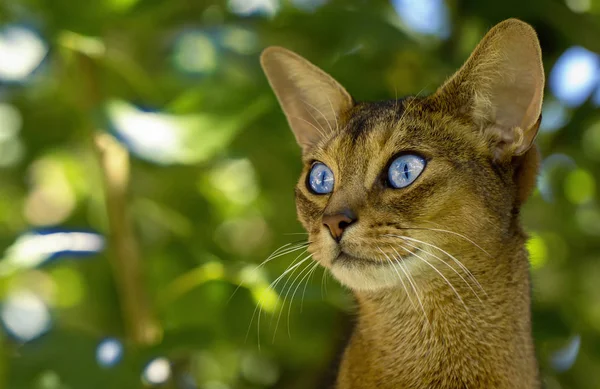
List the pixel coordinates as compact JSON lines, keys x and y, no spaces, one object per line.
{"x":388,"y":186}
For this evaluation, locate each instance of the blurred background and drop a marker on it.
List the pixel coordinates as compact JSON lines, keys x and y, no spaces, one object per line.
{"x":146,"y":170}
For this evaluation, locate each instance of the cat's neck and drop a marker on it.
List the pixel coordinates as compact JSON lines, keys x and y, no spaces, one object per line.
{"x":480,"y":340}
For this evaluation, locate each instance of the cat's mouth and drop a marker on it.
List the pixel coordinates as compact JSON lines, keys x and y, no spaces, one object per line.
{"x":343,"y":258}
{"x":364,"y":273}
{"x":346,"y":259}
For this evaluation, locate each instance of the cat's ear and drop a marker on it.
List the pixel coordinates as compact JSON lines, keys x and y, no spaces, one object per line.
{"x":501,"y":86}
{"x":312,"y":100}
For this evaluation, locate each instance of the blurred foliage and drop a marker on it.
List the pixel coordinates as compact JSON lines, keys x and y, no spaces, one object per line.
{"x":208,"y":186}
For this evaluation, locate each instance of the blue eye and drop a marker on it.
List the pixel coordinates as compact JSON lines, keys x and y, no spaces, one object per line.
{"x":404,"y":170}
{"x":320,"y":179}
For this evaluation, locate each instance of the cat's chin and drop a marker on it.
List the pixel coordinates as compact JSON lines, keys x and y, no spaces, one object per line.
{"x":364,"y":274}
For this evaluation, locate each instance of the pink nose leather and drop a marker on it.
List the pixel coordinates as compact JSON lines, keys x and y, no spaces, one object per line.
{"x":337,"y":223}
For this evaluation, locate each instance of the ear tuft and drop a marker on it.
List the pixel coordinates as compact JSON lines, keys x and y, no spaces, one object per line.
{"x":312,"y":100}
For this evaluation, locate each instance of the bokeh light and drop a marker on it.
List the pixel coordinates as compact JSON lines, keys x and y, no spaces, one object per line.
{"x":538,"y":251}
{"x":22,"y":51}
{"x":428,"y":17}
{"x":109,"y":352}
{"x":239,"y":40}
{"x":25,"y":315}
{"x":166,"y":139}
{"x":11,"y":120}
{"x":194,"y":52}
{"x":235,"y":180}
{"x":253,"y":7}
{"x":11,"y":147}
{"x":563,"y":359}
{"x":12,"y":151}
{"x":251,"y":275}
{"x":574,"y":76}
{"x":554,"y":116}
{"x":52,"y":197}
{"x":149,"y":135}
{"x":580,"y":186}
{"x":243,"y":235}
{"x":91,"y":46}
{"x":265,"y":297}
{"x":49,"y":380}
{"x":579,"y":6}
{"x":157,"y":372}
{"x":121,"y":5}
{"x":596,"y":97}
{"x":309,"y":5}
{"x":33,"y":248}
{"x":550,"y":165}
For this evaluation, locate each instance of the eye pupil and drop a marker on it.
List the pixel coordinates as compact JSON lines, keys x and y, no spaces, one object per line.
{"x":320,"y":179}
{"x":404,"y":170}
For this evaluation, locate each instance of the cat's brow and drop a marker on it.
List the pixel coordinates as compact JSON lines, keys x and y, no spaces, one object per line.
{"x":366,"y":116}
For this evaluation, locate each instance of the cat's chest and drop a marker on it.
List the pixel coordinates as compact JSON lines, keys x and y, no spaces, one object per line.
{"x":417,"y":357}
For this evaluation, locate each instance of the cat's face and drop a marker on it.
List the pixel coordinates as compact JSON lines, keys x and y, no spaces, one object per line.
{"x":405,"y":187}
{"x":456,"y":193}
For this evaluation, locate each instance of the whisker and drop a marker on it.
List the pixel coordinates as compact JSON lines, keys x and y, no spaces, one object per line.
{"x":441,"y":275}
{"x":281,"y":251}
{"x":406,"y":272}
{"x":291,"y":274}
{"x":286,"y":295}
{"x":260,"y":302}
{"x":281,"y":254}
{"x":305,"y":285}
{"x":459,"y":263}
{"x":284,"y":299}
{"x":445,"y":263}
{"x":285,"y":252}
{"x":291,"y":271}
{"x":294,"y":293}
{"x":322,"y":284}
{"x":399,"y":277}
{"x":450,"y":232}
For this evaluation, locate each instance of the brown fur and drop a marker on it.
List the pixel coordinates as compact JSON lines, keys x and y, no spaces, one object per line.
{"x":424,"y":322}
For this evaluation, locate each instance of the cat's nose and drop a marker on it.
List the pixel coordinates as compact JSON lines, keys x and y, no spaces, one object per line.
{"x":338,"y":222}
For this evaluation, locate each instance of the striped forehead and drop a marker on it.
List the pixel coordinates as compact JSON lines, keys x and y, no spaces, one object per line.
{"x":366,"y":140}
{"x":369,"y":119}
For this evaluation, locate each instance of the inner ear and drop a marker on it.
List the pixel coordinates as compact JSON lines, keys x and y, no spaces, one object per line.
{"x":312,"y":100}
{"x":501,"y":86}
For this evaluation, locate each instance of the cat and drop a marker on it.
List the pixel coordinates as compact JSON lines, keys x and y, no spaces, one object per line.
{"x":413,"y":204}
